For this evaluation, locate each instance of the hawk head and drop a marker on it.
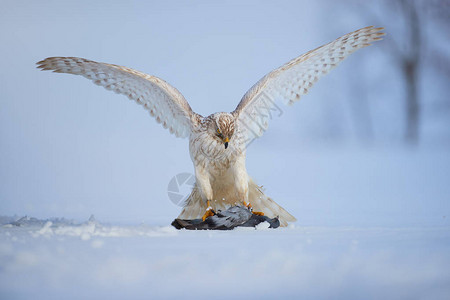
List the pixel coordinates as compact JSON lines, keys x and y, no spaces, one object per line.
{"x":222,"y":127}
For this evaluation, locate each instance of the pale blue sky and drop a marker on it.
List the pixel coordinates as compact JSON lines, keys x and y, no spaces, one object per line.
{"x":69,"y":148}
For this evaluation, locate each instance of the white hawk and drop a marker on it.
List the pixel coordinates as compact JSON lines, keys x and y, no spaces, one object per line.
{"x":217,"y":143}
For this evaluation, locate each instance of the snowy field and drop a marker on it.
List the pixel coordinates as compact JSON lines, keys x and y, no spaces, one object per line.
{"x":60,"y":260}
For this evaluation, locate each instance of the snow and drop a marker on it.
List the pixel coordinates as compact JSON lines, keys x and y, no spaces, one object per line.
{"x":91,"y":260}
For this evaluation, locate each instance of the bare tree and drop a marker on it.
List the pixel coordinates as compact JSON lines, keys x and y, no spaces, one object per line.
{"x":410,"y":63}
{"x":408,"y":51}
{"x":417,"y":32}
{"x":412,"y":58}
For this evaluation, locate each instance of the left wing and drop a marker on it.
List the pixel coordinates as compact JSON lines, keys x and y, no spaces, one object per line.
{"x":294,"y":79}
{"x":163,"y":101}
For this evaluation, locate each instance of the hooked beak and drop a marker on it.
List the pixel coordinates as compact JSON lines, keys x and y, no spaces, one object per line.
{"x":226,"y":140}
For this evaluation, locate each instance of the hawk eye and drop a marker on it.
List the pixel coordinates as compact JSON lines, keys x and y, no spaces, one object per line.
{"x":219,"y":134}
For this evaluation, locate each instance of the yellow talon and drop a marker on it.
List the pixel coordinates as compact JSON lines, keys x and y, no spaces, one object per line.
{"x":207,"y":214}
{"x":209,"y":211}
{"x":249,"y":206}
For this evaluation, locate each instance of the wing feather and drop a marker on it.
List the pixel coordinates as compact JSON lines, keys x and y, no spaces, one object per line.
{"x":163,"y":101}
{"x":294,"y":79}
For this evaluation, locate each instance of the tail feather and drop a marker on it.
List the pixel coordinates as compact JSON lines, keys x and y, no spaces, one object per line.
{"x":262,"y":202}
{"x":195,"y":206}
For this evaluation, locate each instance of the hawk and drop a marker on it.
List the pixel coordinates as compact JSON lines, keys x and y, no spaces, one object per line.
{"x":217,"y":143}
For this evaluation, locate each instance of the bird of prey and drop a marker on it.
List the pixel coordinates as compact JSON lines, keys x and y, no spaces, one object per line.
{"x":217,"y":143}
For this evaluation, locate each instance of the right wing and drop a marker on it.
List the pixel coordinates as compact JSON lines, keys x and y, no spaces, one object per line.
{"x":294,"y":79}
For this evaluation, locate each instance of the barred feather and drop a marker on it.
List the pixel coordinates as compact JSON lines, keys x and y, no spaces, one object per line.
{"x":163,"y":101}
{"x":290,"y":82}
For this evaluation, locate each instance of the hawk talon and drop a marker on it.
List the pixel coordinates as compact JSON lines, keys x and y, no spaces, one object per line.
{"x":209,"y":211}
{"x":250,"y":208}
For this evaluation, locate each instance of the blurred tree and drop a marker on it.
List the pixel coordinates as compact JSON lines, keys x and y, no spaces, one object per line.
{"x":410,"y":64}
{"x":412,"y":57}
{"x":414,"y":49}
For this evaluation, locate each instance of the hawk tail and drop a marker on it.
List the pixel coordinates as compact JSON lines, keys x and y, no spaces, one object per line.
{"x":263,"y":203}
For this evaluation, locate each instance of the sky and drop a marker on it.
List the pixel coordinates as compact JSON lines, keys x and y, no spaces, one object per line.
{"x":70,"y":149}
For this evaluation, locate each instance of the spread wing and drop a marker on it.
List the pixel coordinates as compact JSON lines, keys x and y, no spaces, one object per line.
{"x":294,"y":79}
{"x":163,"y":101}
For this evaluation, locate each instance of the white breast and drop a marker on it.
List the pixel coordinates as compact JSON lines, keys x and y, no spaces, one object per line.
{"x":210,"y":153}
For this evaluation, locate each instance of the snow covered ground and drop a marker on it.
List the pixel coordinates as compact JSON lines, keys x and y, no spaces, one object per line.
{"x":59,"y":259}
